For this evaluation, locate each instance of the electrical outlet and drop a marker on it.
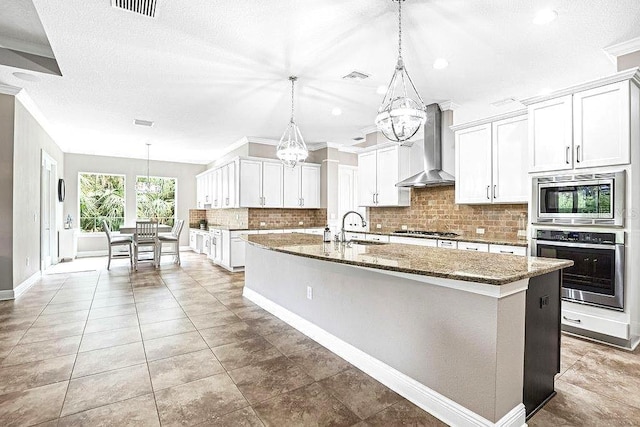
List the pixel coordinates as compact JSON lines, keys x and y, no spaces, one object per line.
{"x":522,"y":233}
{"x":479,"y":230}
{"x":263,"y":224}
{"x":404,"y":227}
{"x":309,"y":292}
{"x":378,"y":226}
{"x":300,"y":222}
{"x":237,"y":216}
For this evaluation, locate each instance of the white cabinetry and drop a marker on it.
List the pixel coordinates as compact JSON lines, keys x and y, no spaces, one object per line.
{"x":301,"y":186}
{"x":470,"y":246}
{"x":491,"y":161}
{"x":508,"y":249}
{"x":416,"y":241}
{"x":447,"y":244}
{"x":227,"y":186}
{"x":590,"y":128}
{"x":260,"y":184}
{"x":378,"y":173}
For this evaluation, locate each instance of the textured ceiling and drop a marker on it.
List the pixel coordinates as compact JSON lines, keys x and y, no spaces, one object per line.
{"x":210,"y":72}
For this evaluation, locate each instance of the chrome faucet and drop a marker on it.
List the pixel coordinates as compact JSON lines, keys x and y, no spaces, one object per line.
{"x":364,"y":223}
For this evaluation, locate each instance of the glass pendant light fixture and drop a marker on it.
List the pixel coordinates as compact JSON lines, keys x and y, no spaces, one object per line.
{"x":147,"y":186}
{"x":402,"y":111}
{"x":291,"y":148}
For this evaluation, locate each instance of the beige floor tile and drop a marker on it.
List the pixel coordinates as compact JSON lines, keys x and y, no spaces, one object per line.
{"x":155,"y":316}
{"x":291,"y":341}
{"x":25,"y":353}
{"x":319,"y":362}
{"x":111,"y":323}
{"x":168,"y":327}
{"x":361,"y":393}
{"x":106,"y":388}
{"x":113,"y":301}
{"x":245,"y":417}
{"x":210,"y":320}
{"x":139,"y":411}
{"x":107,"y":359}
{"x":97,"y":340}
{"x":161,"y":348}
{"x":183,"y":369}
{"x":199,"y":401}
{"x":36,"y":374}
{"x":243,"y":353}
{"x":59,"y":318}
{"x":45,"y":333}
{"x":69,"y":306}
{"x":111,"y":311}
{"x":195,"y":309}
{"x":227,"y":334}
{"x":404,"y":413}
{"x":32,"y":406}
{"x":298,"y":407}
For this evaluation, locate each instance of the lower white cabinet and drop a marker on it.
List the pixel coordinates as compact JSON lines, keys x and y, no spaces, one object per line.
{"x":67,"y":243}
{"x":447,"y":244}
{"x":195,"y":241}
{"x":508,"y":249}
{"x":377,"y":238}
{"x":417,"y":241}
{"x":593,"y":323}
{"x":470,"y":246}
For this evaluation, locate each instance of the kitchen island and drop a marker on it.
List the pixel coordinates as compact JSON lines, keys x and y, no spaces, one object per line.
{"x":473,"y":338}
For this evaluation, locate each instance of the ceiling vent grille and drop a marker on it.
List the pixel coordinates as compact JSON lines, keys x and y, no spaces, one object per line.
{"x":140,"y":122}
{"x":143,"y":7}
{"x":356,"y":75}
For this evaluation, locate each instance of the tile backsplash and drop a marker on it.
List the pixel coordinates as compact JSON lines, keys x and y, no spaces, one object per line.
{"x":434,"y":208}
{"x":253,"y":218}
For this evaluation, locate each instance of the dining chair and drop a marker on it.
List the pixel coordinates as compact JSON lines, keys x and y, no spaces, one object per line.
{"x":146,"y":236}
{"x":118,"y":241}
{"x":172,"y":239}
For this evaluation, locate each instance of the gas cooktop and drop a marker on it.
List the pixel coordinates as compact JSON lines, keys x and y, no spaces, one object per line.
{"x":427,"y":233}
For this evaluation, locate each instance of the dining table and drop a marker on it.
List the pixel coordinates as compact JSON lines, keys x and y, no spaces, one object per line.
{"x":162,"y":228}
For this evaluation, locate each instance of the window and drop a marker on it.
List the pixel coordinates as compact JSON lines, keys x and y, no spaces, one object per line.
{"x":158,"y":203}
{"x":101,"y":197}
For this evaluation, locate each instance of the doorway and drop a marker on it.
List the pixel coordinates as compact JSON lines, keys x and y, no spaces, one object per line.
{"x":48,"y":204}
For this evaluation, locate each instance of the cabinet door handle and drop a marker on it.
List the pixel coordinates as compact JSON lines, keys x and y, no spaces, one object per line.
{"x":488,"y":195}
{"x":495,"y":191}
{"x":568,"y":319}
{"x":506,"y":252}
{"x":577,"y":153}
{"x":302,"y":198}
{"x":472,"y":249}
{"x":566,"y":154}
{"x":227,"y":201}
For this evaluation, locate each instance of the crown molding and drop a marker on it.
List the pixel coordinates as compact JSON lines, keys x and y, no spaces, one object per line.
{"x":448,"y":105}
{"x":28,"y":103}
{"x":9,"y":90}
{"x":484,"y":121}
{"x":369,"y":129}
{"x":624,"y":48}
{"x":632,"y":74}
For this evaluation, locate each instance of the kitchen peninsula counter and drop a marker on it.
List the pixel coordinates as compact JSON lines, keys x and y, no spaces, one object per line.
{"x":479,"y":267}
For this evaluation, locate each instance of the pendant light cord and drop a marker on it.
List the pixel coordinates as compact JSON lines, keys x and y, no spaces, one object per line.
{"x":293,"y":81}
{"x":400,"y":29}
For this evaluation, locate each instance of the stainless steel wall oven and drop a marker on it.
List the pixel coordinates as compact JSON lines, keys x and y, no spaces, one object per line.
{"x":597,"y":278}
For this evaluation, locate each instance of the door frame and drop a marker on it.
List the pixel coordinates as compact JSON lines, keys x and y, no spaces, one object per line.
{"x":48,"y":163}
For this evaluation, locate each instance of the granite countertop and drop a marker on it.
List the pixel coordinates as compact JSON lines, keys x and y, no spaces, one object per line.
{"x":480,"y":267}
{"x":475,"y":238}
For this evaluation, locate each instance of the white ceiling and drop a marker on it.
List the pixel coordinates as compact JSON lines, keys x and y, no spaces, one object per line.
{"x":210,"y":72}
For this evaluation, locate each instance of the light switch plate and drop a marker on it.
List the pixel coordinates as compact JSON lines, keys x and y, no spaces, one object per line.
{"x":378,"y":226}
{"x":309,"y":292}
{"x":479,"y":230}
{"x":263,"y":224}
{"x":404,"y":227}
{"x":301,"y":223}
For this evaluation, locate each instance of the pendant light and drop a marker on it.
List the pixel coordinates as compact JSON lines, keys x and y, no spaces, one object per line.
{"x":402,"y":111}
{"x":147,"y":187}
{"x":291,"y":148}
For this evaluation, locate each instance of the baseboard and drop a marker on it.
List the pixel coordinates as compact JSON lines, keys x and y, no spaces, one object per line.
{"x":24,"y":286}
{"x":6,"y":295}
{"x":431,"y":401}
{"x":89,"y":254}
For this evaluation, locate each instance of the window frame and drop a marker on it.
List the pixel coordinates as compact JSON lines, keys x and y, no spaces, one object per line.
{"x":124,"y":186}
{"x":175,"y":195}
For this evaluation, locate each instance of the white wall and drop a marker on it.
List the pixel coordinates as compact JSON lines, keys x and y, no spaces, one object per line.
{"x":185,"y":174}
{"x":30,"y":139}
{"x":7,"y":110}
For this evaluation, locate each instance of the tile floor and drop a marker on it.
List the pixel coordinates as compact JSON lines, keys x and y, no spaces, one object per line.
{"x":180,"y":346}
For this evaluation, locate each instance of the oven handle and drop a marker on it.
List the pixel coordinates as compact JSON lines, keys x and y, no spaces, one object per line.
{"x":611,"y":247}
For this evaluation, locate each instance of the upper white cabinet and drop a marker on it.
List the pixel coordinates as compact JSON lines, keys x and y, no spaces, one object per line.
{"x":218,"y":183}
{"x":261,"y":184}
{"x":378,"y":173}
{"x":301,"y":186}
{"x":586,"y":129}
{"x":491,"y":161}
{"x":227,"y":192}
{"x":601,"y":126}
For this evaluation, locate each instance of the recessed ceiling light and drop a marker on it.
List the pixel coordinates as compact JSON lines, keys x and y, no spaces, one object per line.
{"x":440,"y":64}
{"x":336,"y":111}
{"x":27,"y":77}
{"x":381,"y":90}
{"x":545,"y":16}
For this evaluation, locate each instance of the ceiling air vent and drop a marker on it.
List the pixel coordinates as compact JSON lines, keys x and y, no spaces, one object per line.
{"x":503,"y":102}
{"x":356,"y":75}
{"x":358,"y":138}
{"x":143,"y":7}
{"x":140,"y":122}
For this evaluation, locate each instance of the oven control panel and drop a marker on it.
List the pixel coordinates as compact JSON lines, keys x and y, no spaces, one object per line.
{"x":577,"y":236}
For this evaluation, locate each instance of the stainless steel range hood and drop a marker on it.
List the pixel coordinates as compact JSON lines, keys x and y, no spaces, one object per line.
{"x":432,"y":175}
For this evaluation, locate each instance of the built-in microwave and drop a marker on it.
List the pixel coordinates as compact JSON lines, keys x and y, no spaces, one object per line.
{"x":581,"y":199}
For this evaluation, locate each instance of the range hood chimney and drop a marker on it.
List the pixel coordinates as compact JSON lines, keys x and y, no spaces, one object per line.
{"x":432,"y":175}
